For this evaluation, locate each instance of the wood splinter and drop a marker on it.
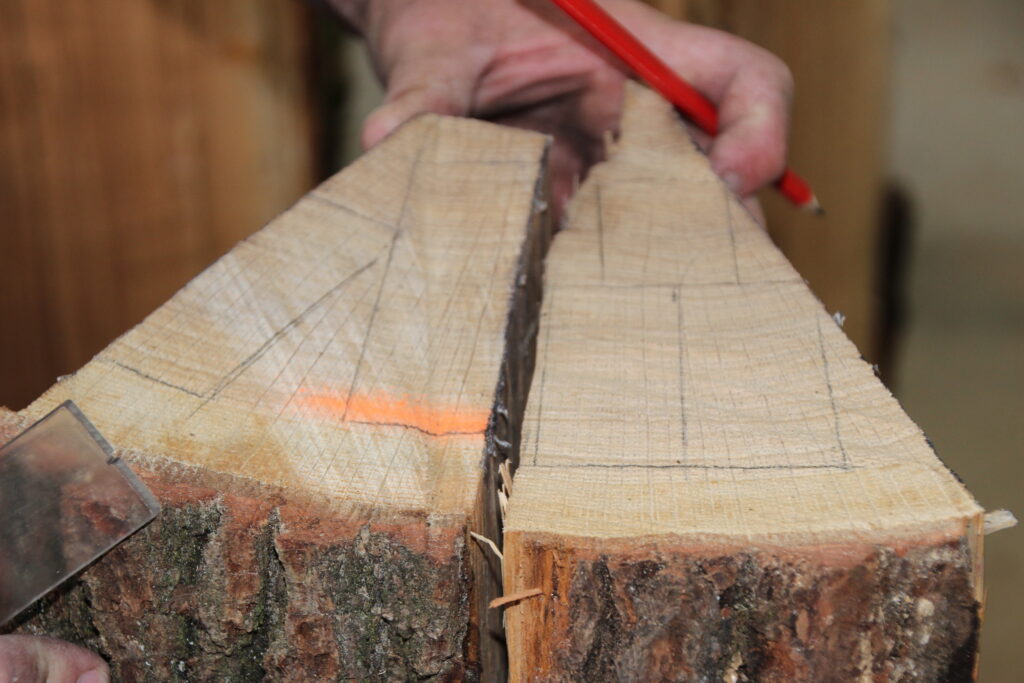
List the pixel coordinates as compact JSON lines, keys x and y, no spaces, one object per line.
{"x":489,"y":543}
{"x":998,"y":520}
{"x":515,"y":597}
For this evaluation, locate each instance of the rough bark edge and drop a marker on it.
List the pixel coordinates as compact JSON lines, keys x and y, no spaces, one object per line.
{"x":230,"y":587}
{"x":663,"y":611}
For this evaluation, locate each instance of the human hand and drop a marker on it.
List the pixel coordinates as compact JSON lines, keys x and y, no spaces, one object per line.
{"x":525,"y":63}
{"x":36,"y":659}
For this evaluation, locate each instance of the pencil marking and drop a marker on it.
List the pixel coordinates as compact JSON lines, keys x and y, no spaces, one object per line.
{"x":831,"y":396}
{"x":237,"y":371}
{"x":600,"y":230}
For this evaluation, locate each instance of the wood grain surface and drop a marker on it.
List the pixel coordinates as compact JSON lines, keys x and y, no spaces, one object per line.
{"x":695,"y":406}
{"x":839,"y":54}
{"x":318,"y":412}
{"x":351,"y":349}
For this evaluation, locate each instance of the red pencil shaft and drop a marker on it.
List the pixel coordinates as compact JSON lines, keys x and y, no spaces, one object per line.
{"x":796,"y":189}
{"x":656,"y":73}
{"x":647,"y":65}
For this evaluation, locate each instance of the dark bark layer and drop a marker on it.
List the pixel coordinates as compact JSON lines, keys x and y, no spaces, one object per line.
{"x":227,"y":587}
{"x":904,"y":614}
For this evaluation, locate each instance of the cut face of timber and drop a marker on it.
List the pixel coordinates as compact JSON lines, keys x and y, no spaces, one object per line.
{"x":712,"y":484}
{"x":314,"y":412}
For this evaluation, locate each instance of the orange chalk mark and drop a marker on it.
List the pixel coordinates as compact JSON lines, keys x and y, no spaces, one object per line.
{"x":381,"y":409}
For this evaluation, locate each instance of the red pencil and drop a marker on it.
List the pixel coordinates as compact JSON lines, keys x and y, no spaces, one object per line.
{"x":659,"y":76}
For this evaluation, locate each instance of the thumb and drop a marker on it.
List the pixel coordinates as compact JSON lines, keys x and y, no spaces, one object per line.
{"x":421,"y":86}
{"x":36,"y":659}
{"x":438,"y":85}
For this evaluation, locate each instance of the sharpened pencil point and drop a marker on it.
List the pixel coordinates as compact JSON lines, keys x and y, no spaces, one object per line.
{"x":814,"y":206}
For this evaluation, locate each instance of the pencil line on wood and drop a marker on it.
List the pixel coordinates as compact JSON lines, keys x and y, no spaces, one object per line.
{"x":690,"y":466}
{"x":732,"y":233}
{"x":600,"y":229}
{"x":756,"y":284}
{"x":544,"y":373}
{"x":349,"y":210}
{"x":682,"y":363}
{"x":151,"y":378}
{"x":831,"y":394}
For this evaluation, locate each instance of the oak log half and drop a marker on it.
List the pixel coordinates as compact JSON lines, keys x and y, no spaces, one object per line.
{"x":318,"y":412}
{"x":713,"y":485}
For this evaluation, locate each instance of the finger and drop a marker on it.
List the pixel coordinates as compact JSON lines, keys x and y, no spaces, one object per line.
{"x":429,"y":65}
{"x":750,"y":150}
{"x":705,"y":57}
{"x":750,"y":87}
{"x":419,"y":89}
{"x":36,"y":659}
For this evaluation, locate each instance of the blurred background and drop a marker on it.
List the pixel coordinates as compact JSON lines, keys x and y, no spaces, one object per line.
{"x":140,"y":139}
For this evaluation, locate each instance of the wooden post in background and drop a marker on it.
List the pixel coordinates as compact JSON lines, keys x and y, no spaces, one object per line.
{"x":839,"y":55}
{"x":139,"y":140}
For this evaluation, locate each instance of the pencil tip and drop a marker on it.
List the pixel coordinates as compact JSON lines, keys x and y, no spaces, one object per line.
{"x":813,"y":206}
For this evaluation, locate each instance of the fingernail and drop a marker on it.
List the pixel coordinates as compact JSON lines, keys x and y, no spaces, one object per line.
{"x":94,"y":676}
{"x":732,"y":181}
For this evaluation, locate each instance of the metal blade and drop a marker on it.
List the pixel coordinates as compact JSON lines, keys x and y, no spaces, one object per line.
{"x":65,"y":500}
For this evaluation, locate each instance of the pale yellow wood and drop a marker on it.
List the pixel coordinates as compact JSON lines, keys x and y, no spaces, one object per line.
{"x":351,"y":349}
{"x":838,"y":53}
{"x":689,"y":384}
{"x":712,"y":484}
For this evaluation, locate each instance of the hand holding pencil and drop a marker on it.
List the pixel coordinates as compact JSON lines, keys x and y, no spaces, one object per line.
{"x":687,"y":99}
{"x":527,"y":63}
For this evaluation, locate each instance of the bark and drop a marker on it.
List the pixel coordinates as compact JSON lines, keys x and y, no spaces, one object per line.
{"x":639,"y":614}
{"x":224,"y":586}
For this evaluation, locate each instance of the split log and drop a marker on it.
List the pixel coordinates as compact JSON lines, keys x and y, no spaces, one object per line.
{"x":713,"y":485}
{"x":313,"y":411}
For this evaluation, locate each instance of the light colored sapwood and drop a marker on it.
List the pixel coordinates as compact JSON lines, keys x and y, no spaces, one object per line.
{"x":694,"y":405}
{"x":688,"y":382}
{"x":349,"y":350}
{"x":314,"y":412}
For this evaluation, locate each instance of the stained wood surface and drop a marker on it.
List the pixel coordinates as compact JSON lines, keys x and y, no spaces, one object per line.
{"x":139,"y":140}
{"x":694,"y":402}
{"x":323,"y":393}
